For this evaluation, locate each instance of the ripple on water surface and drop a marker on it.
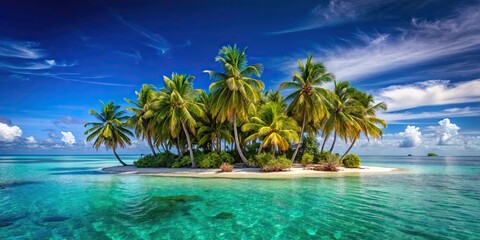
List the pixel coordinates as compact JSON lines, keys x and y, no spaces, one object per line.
{"x":71,"y":201}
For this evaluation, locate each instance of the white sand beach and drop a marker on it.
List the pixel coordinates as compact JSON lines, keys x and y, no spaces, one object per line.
{"x":294,"y":172}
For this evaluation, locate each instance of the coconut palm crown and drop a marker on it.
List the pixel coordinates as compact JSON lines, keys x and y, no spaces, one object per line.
{"x":309,"y":100}
{"x":234,"y":91}
{"x":111,"y":129}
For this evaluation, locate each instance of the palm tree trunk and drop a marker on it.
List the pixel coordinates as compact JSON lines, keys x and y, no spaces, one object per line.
{"x":301,"y":136}
{"x":237,"y":142}
{"x":177,"y":143}
{"x":334,"y":140}
{"x":348,"y":150}
{"x":118,"y":158}
{"x":219,"y":144}
{"x":260,"y":148}
{"x":324,"y":141}
{"x":189,"y":145}
{"x":149,"y":140}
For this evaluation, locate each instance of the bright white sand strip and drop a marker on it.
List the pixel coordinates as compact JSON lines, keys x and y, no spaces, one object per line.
{"x":294,"y":172}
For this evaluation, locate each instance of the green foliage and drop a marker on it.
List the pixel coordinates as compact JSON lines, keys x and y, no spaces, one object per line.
{"x":268,"y":163}
{"x":431,"y":154}
{"x":307,"y":159}
{"x":310,"y":146}
{"x":261,"y":159}
{"x":277,"y":164}
{"x":323,"y":157}
{"x":182,"y":162}
{"x":351,"y":161}
{"x":147,"y":161}
{"x":214,"y":159}
{"x":164,"y":159}
{"x":250,"y":150}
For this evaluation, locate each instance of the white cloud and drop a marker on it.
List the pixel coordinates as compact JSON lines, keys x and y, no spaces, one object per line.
{"x":398,"y":118}
{"x":447,"y":132}
{"x":9,"y":134}
{"x":68,"y":138}
{"x":31,"y":142}
{"x":412,"y":137}
{"x":425,"y":41}
{"x":428,"y":93}
{"x":20,"y":49}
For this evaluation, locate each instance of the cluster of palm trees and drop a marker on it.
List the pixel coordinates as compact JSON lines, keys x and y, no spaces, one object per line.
{"x":236,"y":113}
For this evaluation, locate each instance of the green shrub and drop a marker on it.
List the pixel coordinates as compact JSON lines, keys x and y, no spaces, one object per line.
{"x":323,"y":157}
{"x":164,"y":159}
{"x":234,"y":154}
{"x":431,"y":154}
{"x":182,"y":162}
{"x":250,"y":150}
{"x":307,"y":159}
{"x":310,"y":146}
{"x":147,"y":161}
{"x":209,"y":160}
{"x":213,"y":159}
{"x":277,"y":164}
{"x":261,"y":159}
{"x":226,"y":158}
{"x":351,"y":161}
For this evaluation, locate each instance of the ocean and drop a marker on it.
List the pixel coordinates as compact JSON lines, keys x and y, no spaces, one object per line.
{"x":68,"y":197}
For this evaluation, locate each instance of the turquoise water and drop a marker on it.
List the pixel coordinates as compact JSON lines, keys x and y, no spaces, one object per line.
{"x":66,"y":197}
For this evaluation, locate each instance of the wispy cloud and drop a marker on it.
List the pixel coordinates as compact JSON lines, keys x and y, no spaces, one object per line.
{"x":42,"y":65}
{"x":400,"y":117}
{"x":424,"y":41}
{"x":336,"y":12}
{"x":74,"y":77}
{"x":156,"y":41}
{"x":21,"y":49}
{"x":69,"y":120}
{"x":428,"y":93}
{"x":135,"y":54}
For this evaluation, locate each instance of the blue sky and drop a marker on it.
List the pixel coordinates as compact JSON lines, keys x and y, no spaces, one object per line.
{"x":58,"y":59}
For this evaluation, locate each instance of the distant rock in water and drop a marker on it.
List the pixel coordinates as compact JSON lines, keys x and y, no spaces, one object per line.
{"x":409,"y":155}
{"x":55,"y":219}
{"x":4,"y":185}
{"x":224,"y":215}
{"x":175,"y":199}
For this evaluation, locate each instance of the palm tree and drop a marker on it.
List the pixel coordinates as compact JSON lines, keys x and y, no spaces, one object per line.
{"x":210,"y":132}
{"x":365,"y":116}
{"x":273,"y":127}
{"x":234,"y":91}
{"x":340,"y":121}
{"x":177,"y":108}
{"x":141,"y":121}
{"x":110,"y":131}
{"x":309,"y":100}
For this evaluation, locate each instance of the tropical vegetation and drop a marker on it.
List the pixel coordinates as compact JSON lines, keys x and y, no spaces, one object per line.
{"x":237,"y":122}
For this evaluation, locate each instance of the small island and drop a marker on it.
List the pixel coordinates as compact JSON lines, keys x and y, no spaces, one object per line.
{"x":237,"y":122}
{"x":431,"y":154}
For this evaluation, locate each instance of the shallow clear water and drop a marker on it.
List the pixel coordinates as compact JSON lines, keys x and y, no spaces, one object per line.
{"x":60,"y":197}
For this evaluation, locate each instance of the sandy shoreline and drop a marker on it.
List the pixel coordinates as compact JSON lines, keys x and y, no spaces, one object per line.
{"x":294,"y":172}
